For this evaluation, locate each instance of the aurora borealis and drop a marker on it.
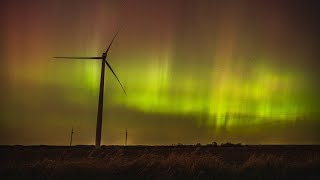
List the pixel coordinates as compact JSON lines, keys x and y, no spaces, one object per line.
{"x":194,"y":71}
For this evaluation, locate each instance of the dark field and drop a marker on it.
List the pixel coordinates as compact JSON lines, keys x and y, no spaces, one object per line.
{"x":160,"y":162}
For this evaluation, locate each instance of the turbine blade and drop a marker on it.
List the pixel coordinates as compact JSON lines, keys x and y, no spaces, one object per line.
{"x":115,"y":76}
{"x":111,"y":42}
{"x":77,"y":57}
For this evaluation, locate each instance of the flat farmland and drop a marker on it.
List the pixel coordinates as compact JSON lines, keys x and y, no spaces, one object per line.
{"x":160,"y":162}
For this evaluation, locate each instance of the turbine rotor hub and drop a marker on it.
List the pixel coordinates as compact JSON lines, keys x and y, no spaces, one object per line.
{"x":104,"y":55}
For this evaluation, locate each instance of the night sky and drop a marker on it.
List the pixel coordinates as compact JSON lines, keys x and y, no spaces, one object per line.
{"x":194,"y":71}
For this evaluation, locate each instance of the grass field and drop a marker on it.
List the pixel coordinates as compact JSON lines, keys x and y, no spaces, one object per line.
{"x":160,"y":162}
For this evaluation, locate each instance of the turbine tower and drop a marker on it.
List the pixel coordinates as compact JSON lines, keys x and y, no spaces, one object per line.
{"x":71,"y":136}
{"x":104,"y":62}
{"x":126,"y":137}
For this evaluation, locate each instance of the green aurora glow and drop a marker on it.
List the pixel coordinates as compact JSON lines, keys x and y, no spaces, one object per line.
{"x":236,"y":68}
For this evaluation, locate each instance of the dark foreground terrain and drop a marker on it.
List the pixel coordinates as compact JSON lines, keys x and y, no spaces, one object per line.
{"x":160,"y":162}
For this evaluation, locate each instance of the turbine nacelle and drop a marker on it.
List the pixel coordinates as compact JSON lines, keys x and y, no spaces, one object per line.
{"x":104,"y":55}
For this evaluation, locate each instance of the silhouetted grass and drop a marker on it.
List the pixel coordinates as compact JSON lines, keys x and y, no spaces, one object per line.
{"x":186,"y":162}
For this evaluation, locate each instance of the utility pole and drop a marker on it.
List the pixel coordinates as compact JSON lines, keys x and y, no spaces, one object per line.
{"x":71,"y":136}
{"x":126,"y":136}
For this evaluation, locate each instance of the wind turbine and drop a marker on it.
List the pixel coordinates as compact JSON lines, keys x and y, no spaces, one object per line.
{"x":126,"y":137}
{"x":71,"y":134}
{"x":104,"y":62}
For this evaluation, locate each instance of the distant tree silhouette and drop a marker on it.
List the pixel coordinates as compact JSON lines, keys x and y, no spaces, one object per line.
{"x":228,"y":144}
{"x":215,"y":144}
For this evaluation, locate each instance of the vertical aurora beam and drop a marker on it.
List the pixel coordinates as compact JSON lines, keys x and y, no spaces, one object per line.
{"x":238,"y":88}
